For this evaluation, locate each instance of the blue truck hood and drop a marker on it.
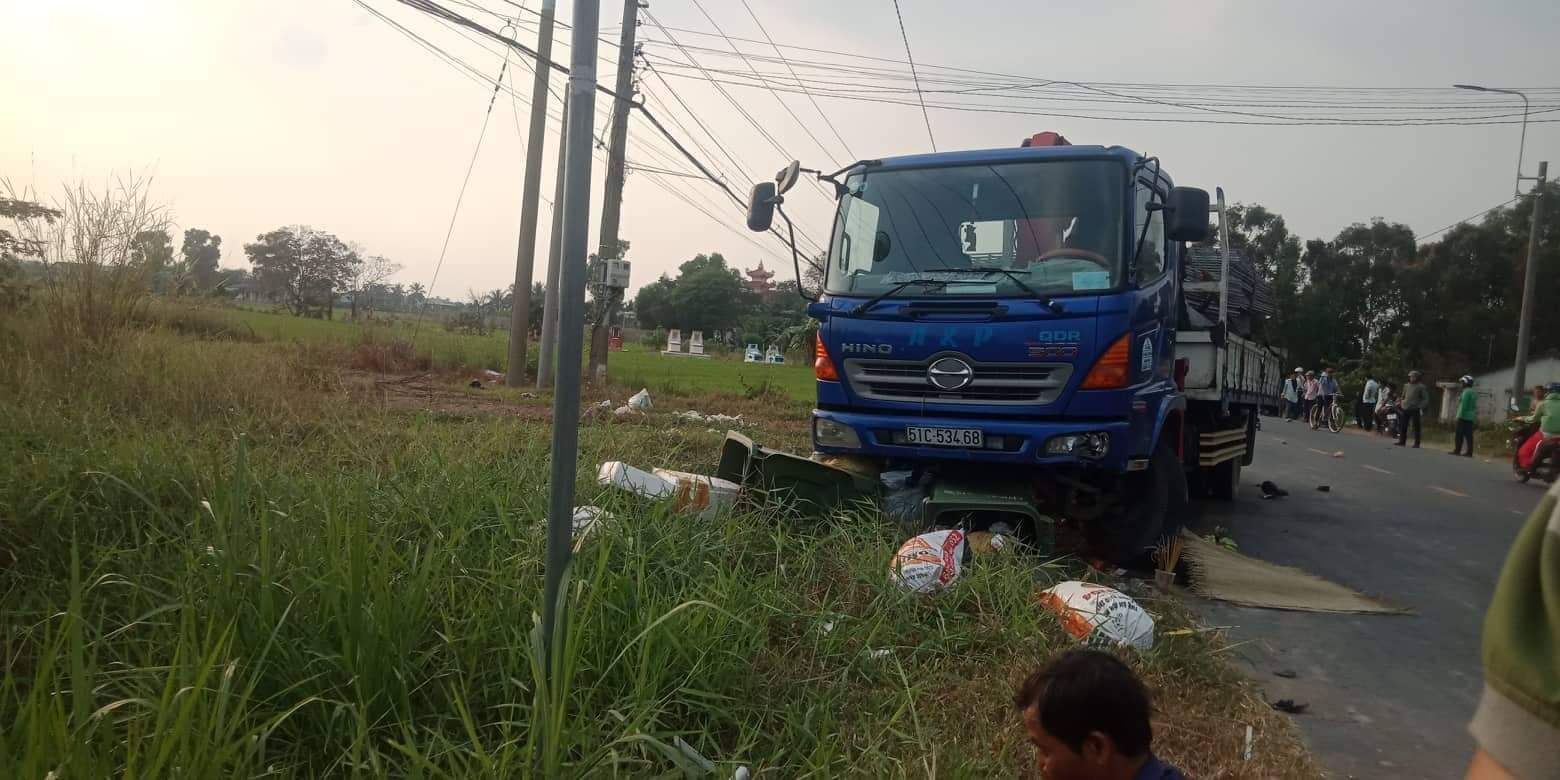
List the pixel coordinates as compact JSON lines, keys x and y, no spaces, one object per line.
{"x":1013,"y":356}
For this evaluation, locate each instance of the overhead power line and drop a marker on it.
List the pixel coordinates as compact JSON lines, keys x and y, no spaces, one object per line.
{"x":917,"y":79}
{"x":1423,"y":236}
{"x":462,"y":22}
{"x":816,"y":107}
{"x":776,"y":95}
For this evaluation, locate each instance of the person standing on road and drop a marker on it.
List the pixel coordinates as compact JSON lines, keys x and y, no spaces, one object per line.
{"x":1415,"y":400}
{"x":1365,"y":410}
{"x":1384,"y":398}
{"x":1293,"y":387}
{"x":1467,"y":413}
{"x":1313,"y":389}
{"x":1327,"y":391}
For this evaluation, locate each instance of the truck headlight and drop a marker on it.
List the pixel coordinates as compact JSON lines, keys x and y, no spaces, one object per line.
{"x":832,"y":434}
{"x":1085,"y":445}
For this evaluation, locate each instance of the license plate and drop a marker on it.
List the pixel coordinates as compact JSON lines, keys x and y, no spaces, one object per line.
{"x":945,"y":437}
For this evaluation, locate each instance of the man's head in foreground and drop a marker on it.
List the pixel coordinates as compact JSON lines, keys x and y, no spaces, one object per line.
{"x":1087,"y":715}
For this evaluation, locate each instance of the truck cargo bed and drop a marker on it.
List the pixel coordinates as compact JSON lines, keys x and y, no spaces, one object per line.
{"x":1252,"y":373}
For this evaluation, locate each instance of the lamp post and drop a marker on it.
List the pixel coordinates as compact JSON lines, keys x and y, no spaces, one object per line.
{"x":1521,"y":142}
{"x":1530,"y":275}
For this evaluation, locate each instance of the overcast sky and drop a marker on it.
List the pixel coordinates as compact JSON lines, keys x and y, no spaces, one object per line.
{"x":254,"y":114}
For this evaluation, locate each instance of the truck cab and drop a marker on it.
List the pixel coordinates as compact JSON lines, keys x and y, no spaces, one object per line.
{"x":1004,"y":311}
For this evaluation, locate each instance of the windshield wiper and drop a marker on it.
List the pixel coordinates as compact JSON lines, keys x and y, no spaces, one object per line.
{"x":1048,"y":302}
{"x":866,"y":305}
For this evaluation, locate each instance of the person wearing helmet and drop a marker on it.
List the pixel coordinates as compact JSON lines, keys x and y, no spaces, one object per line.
{"x":1467,"y":413}
{"x":1294,"y":385}
{"x":1415,"y":400}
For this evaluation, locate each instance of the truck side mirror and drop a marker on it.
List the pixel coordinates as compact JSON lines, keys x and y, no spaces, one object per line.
{"x":788,"y":176}
{"x":1186,"y":214}
{"x":761,"y":206}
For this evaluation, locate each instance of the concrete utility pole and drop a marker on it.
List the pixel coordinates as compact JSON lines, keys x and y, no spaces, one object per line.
{"x":612,"y":202}
{"x":1529,"y":279}
{"x":525,"y":254}
{"x":545,"y":356}
{"x":571,"y":308}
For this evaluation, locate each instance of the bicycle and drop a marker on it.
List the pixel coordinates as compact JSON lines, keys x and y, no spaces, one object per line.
{"x":1331,"y":413}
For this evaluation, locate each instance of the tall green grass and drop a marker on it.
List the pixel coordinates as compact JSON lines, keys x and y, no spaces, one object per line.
{"x":215,"y":564}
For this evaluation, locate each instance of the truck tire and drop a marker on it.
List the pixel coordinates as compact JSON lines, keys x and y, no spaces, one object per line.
{"x":1224,"y":479}
{"x":1159,"y":506}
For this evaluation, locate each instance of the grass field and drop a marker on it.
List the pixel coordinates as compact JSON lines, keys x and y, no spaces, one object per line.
{"x":224,"y":554}
{"x":635,"y":365}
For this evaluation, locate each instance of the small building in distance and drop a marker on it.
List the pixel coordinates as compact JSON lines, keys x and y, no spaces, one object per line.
{"x":760,"y":280}
{"x":1495,"y":387}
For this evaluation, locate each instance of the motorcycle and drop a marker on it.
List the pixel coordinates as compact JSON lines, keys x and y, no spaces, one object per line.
{"x":1387,"y":419}
{"x":1544,"y":458}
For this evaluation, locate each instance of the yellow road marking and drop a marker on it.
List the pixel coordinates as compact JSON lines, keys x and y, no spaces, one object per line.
{"x":1439,"y":489}
{"x":1373,"y":468}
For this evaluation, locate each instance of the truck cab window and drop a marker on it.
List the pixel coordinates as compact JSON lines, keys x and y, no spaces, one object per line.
{"x":1056,"y":226}
{"x":1150,"y":261}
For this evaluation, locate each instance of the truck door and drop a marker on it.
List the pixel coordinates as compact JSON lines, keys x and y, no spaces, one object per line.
{"x":1154,"y":317}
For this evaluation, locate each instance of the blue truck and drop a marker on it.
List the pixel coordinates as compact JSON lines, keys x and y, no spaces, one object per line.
{"x":1018,"y":316}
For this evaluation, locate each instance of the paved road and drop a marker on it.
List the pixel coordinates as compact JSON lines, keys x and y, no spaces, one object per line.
{"x":1389,"y":695}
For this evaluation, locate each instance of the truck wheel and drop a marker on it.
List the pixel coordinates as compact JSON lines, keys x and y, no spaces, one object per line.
{"x":1224,"y":479}
{"x":1123,"y":537}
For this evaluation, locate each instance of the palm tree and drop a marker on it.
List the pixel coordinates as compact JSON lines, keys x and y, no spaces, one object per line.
{"x":416,"y":295}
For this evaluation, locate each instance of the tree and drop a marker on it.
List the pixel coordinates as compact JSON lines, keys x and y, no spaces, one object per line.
{"x":416,"y":295}
{"x":201,"y":252}
{"x":364,"y":277}
{"x":708,"y":295}
{"x":94,"y":283}
{"x":15,"y":247}
{"x":304,"y":267}
{"x":538,"y":304}
{"x":653,"y":304}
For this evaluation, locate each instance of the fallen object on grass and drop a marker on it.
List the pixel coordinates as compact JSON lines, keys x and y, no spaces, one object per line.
{"x":699,"y":493}
{"x":476,"y":384}
{"x":780,"y":477}
{"x":695,"y":493}
{"x":641,"y":401}
{"x":625,"y":477}
{"x":981,"y":543}
{"x":697,"y":416}
{"x":585,"y":519}
{"x":929,"y":562}
{"x":1223,"y":574}
{"x":1290,"y":706}
{"x":1095,"y":614}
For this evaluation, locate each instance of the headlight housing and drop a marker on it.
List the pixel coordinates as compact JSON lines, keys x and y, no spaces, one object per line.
{"x":829,"y":433}
{"x":1092,"y":445}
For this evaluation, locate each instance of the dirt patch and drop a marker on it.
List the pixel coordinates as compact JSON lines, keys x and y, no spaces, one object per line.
{"x":446,"y":393}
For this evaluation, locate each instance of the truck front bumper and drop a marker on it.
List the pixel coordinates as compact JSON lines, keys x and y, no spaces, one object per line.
{"x":1020,"y":442}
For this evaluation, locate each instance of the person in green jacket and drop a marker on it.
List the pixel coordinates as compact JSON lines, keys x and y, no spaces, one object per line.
{"x":1517,"y":725}
{"x":1467,"y":413}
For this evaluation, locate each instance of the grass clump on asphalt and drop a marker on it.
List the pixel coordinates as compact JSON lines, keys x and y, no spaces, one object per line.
{"x":218,"y":560}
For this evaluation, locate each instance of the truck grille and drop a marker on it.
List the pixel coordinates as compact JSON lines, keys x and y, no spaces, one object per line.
{"x":992,"y":383}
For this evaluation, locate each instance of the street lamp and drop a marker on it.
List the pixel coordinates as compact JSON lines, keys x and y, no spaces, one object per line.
{"x":1530,"y":277}
{"x":1522,"y":143}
